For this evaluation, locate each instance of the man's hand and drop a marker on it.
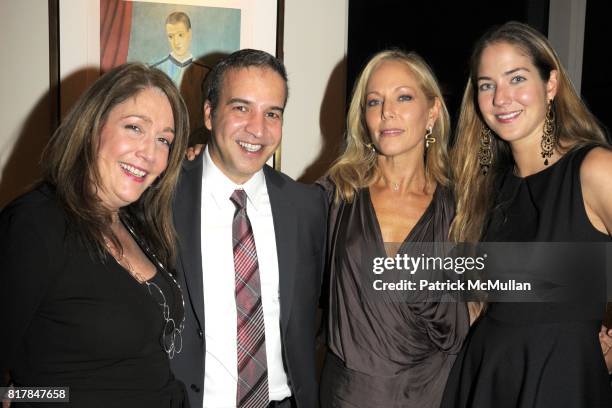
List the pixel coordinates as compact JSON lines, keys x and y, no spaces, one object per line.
{"x":605,"y":339}
{"x":194,"y":151}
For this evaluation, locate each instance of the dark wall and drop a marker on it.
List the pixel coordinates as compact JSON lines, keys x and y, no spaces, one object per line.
{"x":596,"y":77}
{"x":442,"y":32}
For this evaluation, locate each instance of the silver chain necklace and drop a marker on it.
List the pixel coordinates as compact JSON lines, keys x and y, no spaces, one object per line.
{"x":172,"y":338}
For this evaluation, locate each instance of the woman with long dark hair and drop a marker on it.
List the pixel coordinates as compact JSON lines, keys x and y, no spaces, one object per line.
{"x":87,"y":296}
{"x":531,"y":164}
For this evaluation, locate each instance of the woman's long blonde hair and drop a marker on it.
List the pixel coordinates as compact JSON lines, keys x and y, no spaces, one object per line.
{"x":575,"y":126}
{"x":357,"y":166}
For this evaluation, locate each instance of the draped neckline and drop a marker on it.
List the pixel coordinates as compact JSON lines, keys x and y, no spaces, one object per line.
{"x":409,"y":236}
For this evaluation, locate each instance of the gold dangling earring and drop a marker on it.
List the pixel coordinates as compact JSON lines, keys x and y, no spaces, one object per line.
{"x":370,"y":146}
{"x":548,"y":134}
{"x":485,"y":154}
{"x":429,"y":139}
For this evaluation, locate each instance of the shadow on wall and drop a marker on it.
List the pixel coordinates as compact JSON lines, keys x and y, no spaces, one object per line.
{"x":22,"y":168}
{"x":331,"y":122}
{"x":192,"y":80}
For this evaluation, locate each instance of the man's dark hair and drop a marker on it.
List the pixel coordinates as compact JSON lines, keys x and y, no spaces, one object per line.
{"x":245,"y":58}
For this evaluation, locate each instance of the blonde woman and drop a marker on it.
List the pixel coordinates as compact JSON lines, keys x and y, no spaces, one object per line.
{"x":389,"y":186}
{"x":531,"y":165}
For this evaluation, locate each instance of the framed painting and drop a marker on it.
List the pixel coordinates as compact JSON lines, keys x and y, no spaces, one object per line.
{"x":183,"y":38}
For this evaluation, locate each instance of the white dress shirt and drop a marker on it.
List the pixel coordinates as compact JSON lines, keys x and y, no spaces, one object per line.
{"x":220,"y":371}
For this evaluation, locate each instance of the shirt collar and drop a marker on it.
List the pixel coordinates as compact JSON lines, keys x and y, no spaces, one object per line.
{"x":221,"y":188}
{"x":183,"y":61}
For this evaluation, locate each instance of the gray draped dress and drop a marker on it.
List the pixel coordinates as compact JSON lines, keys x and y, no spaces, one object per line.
{"x":385,"y":350}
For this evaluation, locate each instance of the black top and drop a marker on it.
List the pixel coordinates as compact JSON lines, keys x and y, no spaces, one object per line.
{"x":546,"y":207}
{"x":71,"y":320}
{"x":537,"y":354}
{"x":390,"y":349}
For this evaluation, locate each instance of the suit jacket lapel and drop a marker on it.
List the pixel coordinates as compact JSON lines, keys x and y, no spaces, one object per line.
{"x":187,"y":216}
{"x":285,"y":229}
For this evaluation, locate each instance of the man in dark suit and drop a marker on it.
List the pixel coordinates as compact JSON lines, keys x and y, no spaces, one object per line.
{"x":243,"y":225}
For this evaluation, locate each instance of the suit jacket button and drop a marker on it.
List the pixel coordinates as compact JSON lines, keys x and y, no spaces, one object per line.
{"x":200,"y":333}
{"x":195,"y":388}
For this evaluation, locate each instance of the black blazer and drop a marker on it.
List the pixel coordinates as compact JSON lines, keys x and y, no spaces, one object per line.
{"x":299,"y":214}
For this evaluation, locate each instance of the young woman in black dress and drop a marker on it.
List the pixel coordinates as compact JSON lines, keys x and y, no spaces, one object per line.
{"x":86,"y":297}
{"x":531,"y":165}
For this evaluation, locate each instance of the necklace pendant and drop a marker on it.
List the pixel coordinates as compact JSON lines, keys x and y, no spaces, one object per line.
{"x":395,"y":186}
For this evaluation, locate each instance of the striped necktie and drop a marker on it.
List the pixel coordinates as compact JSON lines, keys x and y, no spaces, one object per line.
{"x":252,"y":389}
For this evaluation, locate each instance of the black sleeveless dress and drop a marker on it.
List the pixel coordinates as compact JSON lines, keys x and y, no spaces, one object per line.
{"x":536,"y":354}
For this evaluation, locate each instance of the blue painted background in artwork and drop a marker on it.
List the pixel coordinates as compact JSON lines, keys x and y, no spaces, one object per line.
{"x":214,"y":30}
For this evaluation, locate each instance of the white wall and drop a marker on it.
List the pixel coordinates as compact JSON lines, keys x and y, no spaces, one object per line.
{"x":24,"y":86}
{"x":315,"y":44}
